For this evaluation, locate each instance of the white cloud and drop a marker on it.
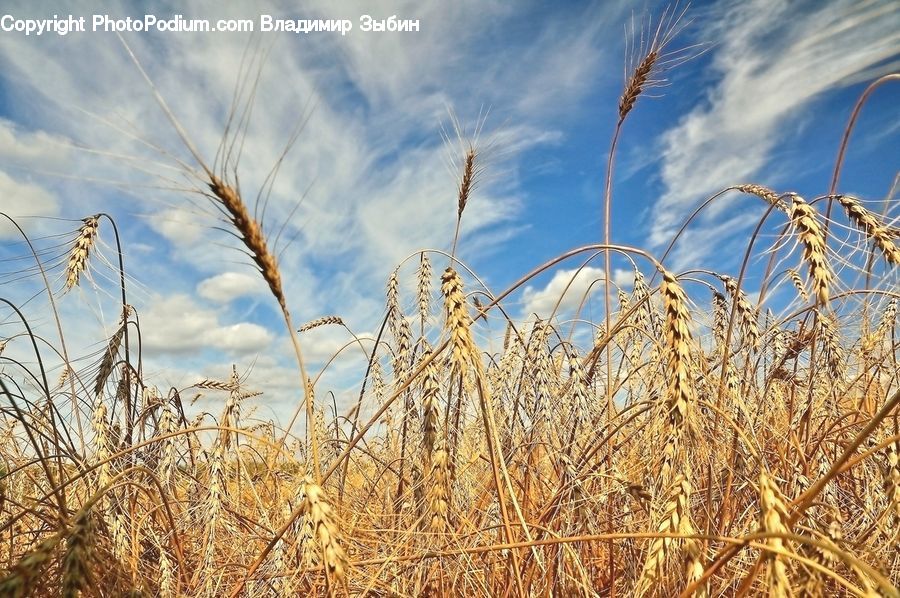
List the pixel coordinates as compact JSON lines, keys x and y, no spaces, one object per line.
{"x":322,"y":343}
{"x":23,"y":200}
{"x":772,"y":61}
{"x":575,"y":284}
{"x":176,"y":324}
{"x":228,"y":286}
{"x":368,"y":170}
{"x":37,"y":149}
{"x":182,"y":227}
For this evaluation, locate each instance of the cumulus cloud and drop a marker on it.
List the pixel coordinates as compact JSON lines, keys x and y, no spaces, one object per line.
{"x":181,"y":226}
{"x":569,"y":287}
{"x":177,"y":324}
{"x":228,"y":286}
{"x":20,"y":195}
{"x":365,"y":182}
{"x":774,"y":57}
{"x":23,"y":200}
{"x":37,"y":149}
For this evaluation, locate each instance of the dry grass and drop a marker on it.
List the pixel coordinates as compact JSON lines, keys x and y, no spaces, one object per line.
{"x":670,"y":446}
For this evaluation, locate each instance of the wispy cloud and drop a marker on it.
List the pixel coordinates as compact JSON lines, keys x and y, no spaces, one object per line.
{"x":772,"y":58}
{"x":366,"y":181}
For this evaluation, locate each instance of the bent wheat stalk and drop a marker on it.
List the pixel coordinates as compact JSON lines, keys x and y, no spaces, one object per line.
{"x":252,"y":236}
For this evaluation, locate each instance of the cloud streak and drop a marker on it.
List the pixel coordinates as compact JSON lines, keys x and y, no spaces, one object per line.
{"x":365,"y":183}
{"x":773,"y":58}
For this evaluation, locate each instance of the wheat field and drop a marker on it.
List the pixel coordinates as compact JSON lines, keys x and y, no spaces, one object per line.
{"x":693,"y":439}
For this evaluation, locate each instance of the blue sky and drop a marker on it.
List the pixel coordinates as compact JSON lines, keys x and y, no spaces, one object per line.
{"x":80,"y":132}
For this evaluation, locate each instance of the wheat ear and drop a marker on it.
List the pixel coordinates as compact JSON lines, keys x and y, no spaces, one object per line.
{"x":251,"y":235}
{"x":678,"y":402}
{"x":655,"y":59}
{"x":81,"y":250}
{"x":766,"y":194}
{"x":458,"y":322}
{"x":680,"y":392}
{"x":79,"y":544}
{"x":797,"y":281}
{"x":21,"y":579}
{"x":323,"y":321}
{"x":812,"y":235}
{"x":675,"y":509}
{"x":327,"y":533}
{"x":747,"y":313}
{"x":430,"y":406}
{"x":423,"y":289}
{"x":887,"y":320}
{"x":892,"y":479}
{"x":437,"y":494}
{"x":636,"y":82}
{"x":774,"y":521}
{"x":867,"y":222}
